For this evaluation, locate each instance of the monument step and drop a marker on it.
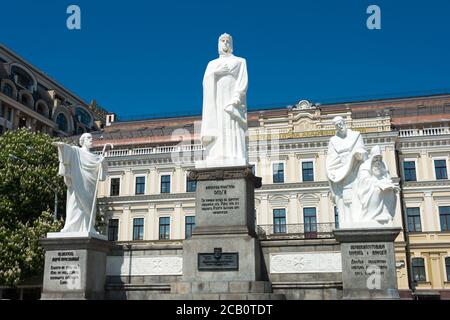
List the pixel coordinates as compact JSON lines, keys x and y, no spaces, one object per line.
{"x":217,"y":287}
{"x":219,"y":296}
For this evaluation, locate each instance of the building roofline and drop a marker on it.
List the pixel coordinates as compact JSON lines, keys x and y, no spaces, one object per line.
{"x":42,"y":74}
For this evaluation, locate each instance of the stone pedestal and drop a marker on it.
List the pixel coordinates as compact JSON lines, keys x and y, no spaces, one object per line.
{"x":223,"y":258}
{"x":75,"y":268}
{"x":368,"y":263}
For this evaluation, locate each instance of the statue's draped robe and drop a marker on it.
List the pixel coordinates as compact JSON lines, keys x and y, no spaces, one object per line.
{"x":342,"y":169}
{"x":374,"y":198}
{"x":227,"y":129}
{"x":80,"y":169}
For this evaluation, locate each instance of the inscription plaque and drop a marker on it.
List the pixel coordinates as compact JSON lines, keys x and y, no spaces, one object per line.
{"x":218,"y":261}
{"x":64,"y":270}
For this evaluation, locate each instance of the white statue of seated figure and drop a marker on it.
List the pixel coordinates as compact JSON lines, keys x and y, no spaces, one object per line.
{"x":374,"y":194}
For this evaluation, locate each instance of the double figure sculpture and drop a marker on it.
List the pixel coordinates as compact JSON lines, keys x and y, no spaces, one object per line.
{"x":362,"y":189}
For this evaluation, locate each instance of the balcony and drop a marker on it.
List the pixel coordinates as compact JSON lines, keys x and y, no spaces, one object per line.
{"x":153,"y":150}
{"x":296,"y":231}
{"x":424,"y":132}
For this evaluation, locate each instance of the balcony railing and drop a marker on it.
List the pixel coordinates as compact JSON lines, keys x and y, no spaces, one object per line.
{"x":153,"y":150}
{"x":424,"y":132}
{"x":296,"y":231}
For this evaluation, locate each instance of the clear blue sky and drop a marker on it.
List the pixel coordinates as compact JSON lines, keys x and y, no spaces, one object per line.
{"x":148,"y":57}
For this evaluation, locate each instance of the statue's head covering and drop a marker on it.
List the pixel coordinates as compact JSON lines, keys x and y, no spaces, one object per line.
{"x":83,"y":136}
{"x":337,"y":119}
{"x":226,"y":35}
{"x":367,"y":165}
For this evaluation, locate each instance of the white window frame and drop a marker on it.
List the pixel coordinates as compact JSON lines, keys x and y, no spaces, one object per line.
{"x":427,"y":276}
{"x":170,"y":224}
{"x":434,"y":166}
{"x":420,"y":216}
{"x":118,"y":228}
{"x":135,"y":176}
{"x":256,"y":167}
{"x":415,"y":165}
{"x":285,"y":211}
{"x":445,"y":269}
{"x":120,"y":185}
{"x":132,"y":226}
{"x":171,"y":181}
{"x":184,"y":223}
{"x":185,"y":181}
{"x":314,"y":168}
{"x":284,"y":170}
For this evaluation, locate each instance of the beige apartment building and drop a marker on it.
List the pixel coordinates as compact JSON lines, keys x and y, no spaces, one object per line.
{"x":30,"y":98}
{"x":148,"y":197}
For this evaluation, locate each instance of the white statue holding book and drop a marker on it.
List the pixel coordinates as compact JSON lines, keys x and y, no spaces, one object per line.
{"x":224,"y":116}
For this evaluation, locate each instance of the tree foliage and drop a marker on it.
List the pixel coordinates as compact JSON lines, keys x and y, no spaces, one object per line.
{"x":28,"y":179}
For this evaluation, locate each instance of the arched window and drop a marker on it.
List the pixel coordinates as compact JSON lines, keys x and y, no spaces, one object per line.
{"x":83,"y":116}
{"x":61,"y":121}
{"x":418,"y":269}
{"x":80,"y":130}
{"x":42,"y":108}
{"x":22,"y":77}
{"x":8,"y":90}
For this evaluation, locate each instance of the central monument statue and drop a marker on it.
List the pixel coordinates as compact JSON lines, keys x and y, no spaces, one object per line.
{"x":224,"y":117}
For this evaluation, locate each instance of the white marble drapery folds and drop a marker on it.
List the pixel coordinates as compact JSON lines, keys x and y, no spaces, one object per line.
{"x":374,"y":197}
{"x":224,"y":116}
{"x":80,"y":169}
{"x":343,"y":159}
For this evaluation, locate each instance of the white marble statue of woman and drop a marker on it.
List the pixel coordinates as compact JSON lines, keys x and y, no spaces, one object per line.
{"x":374,"y":196}
{"x":80,"y":169}
{"x":224,"y":116}
{"x":346,"y":152}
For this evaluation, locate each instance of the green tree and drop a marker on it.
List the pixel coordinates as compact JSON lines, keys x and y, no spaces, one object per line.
{"x":28,"y":179}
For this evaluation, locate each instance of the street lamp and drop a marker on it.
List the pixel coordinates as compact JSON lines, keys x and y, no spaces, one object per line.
{"x":55,"y":211}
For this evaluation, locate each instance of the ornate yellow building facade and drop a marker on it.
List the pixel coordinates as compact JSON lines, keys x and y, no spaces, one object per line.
{"x":148,"y":197}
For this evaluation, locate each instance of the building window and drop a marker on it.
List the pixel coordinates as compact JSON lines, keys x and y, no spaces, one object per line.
{"x":10,"y":112}
{"x":113,"y":229}
{"x":138,"y":229}
{"x":308,"y":171}
{"x":418,"y":269}
{"x":115,"y":187}
{"x":140,"y":185}
{"x":279,"y":221}
{"x":413,"y":215}
{"x":278,"y":172}
{"x":336,"y":217}
{"x":444,"y":216}
{"x":409,"y":170}
{"x":165,"y":184}
{"x":61,"y":121}
{"x":164,"y":228}
{"x":8,"y":90}
{"x":440,"y":168}
{"x":189,"y":226}
{"x":191,"y":185}
{"x":447,"y":268}
{"x":83,"y":116}
{"x":310,"y":221}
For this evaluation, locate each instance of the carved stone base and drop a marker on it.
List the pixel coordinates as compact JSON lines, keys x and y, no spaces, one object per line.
{"x":368,"y":263}
{"x":75,"y":268}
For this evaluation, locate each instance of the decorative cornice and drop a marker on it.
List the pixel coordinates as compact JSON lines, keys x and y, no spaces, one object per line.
{"x":148,"y":197}
{"x":295,"y":185}
{"x":426,"y":184}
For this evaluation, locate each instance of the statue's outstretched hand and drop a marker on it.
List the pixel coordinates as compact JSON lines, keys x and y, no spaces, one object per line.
{"x":57,"y":143}
{"x":207,"y":140}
